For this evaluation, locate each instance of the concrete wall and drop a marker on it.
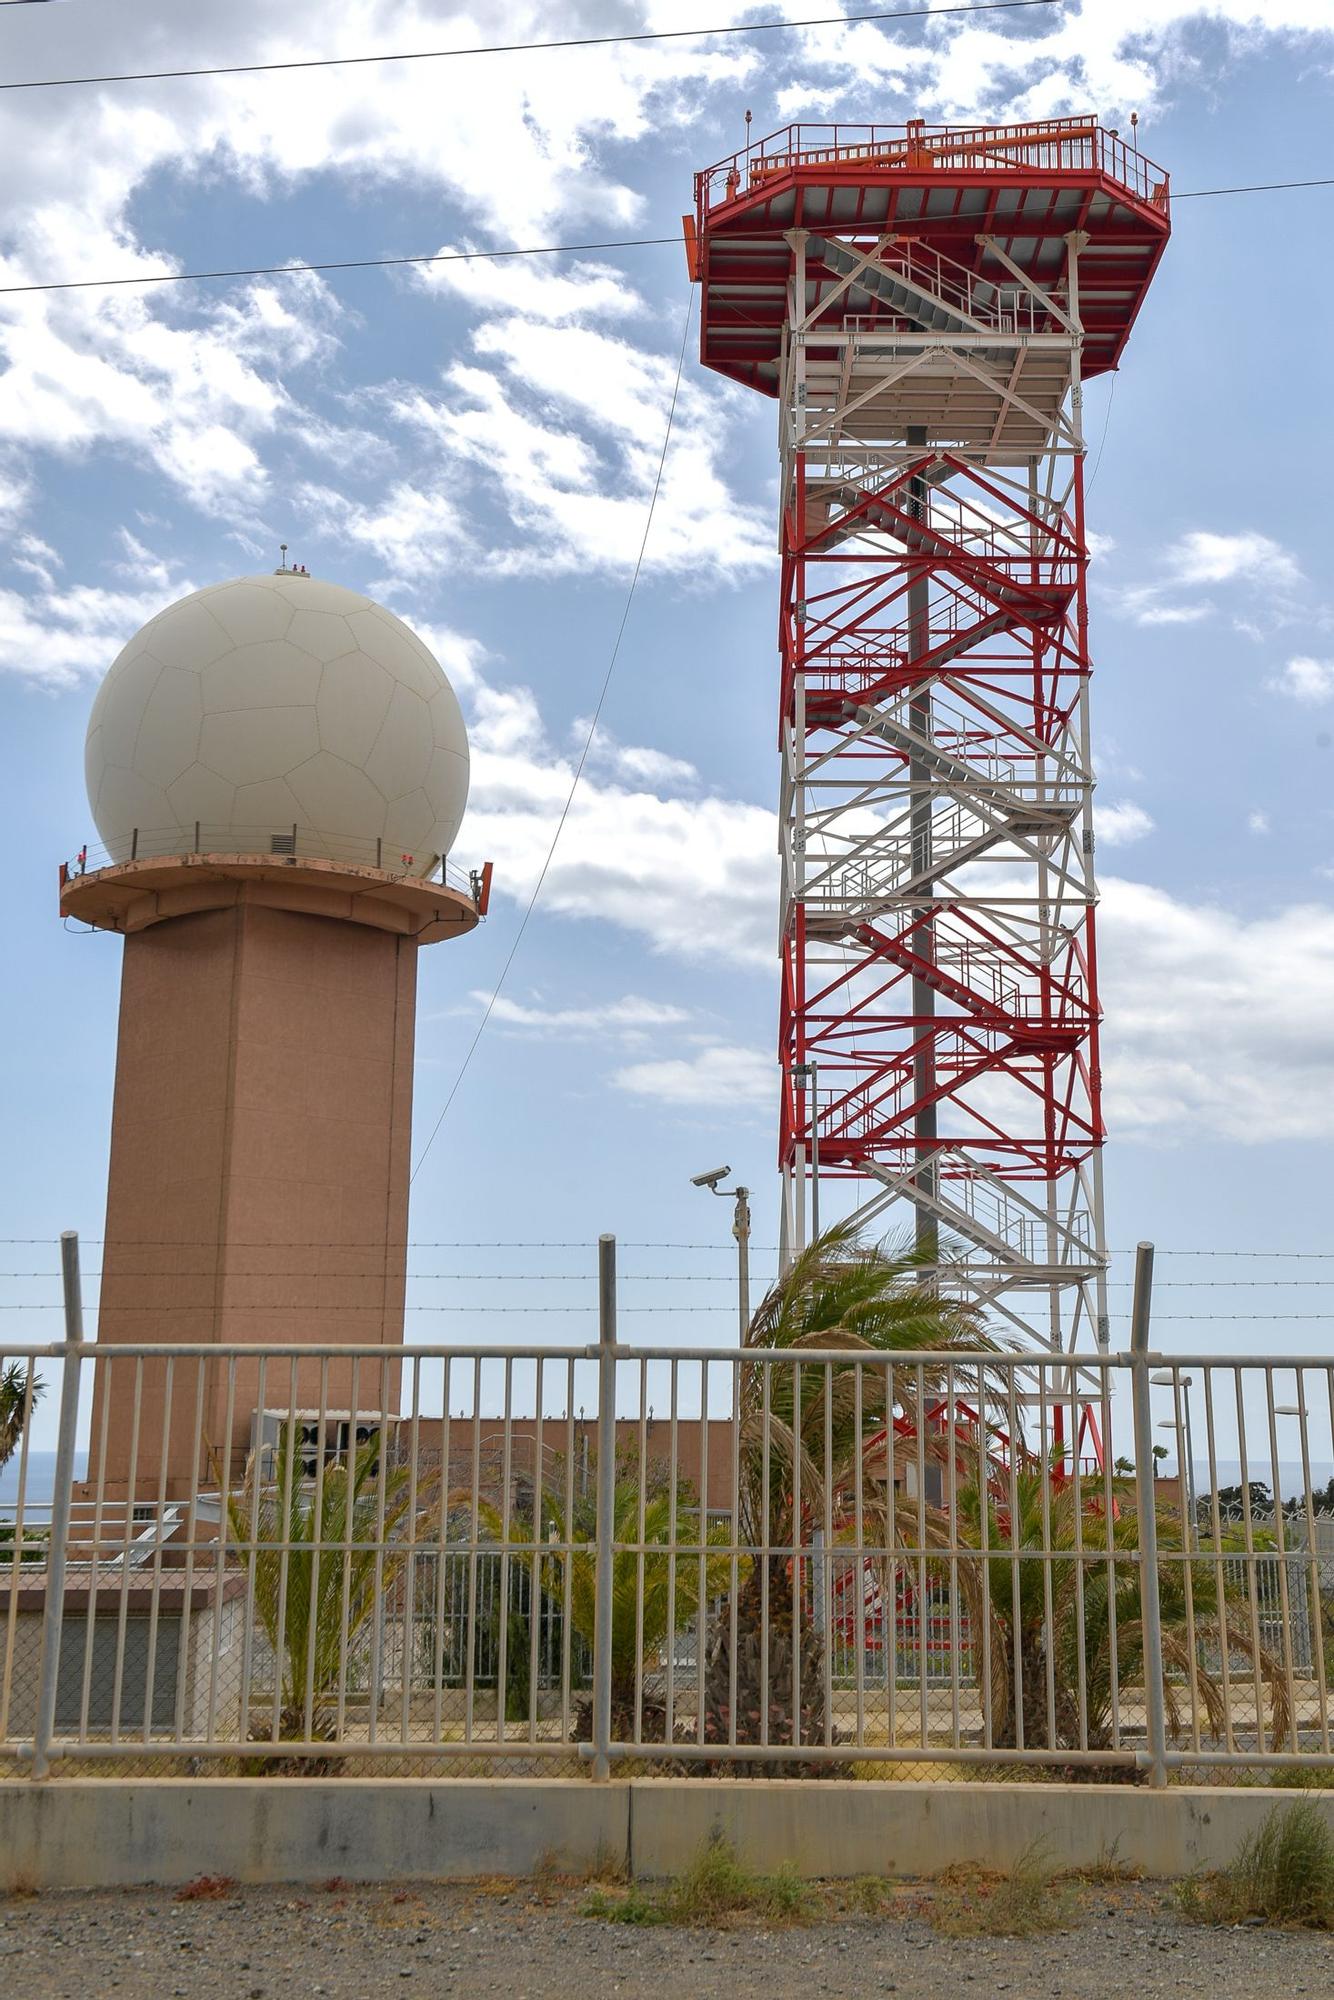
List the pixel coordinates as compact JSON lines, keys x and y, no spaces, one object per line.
{"x":83,"y":1833}
{"x":259,"y":1175}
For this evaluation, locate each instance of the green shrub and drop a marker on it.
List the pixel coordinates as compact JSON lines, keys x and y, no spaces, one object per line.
{"x":1283,"y":1874}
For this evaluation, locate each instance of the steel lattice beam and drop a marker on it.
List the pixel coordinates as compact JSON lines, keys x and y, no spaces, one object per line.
{"x":938,"y":1032}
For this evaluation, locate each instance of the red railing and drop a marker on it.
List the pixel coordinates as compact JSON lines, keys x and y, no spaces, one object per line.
{"x":1050,"y":145}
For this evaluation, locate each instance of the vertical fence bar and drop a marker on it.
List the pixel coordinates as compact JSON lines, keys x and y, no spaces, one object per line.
{"x":1150,"y":1610}
{"x":53,"y":1610}
{"x":606,"y":1499}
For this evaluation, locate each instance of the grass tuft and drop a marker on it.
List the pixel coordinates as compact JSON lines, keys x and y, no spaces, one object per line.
{"x":715,"y":1890}
{"x":867,"y":1895}
{"x":629,"y":1906}
{"x":1022,"y":1901}
{"x":1284,"y":1874}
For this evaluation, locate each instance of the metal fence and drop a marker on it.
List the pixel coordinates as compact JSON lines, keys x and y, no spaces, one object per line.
{"x":334,"y":1559}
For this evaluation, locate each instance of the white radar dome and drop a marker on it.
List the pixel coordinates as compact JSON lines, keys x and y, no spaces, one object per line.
{"x":271,"y":703}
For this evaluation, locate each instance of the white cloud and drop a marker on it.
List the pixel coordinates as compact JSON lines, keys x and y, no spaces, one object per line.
{"x":560,"y":428}
{"x":1122,"y":823}
{"x":36,"y":558}
{"x":60,"y":637}
{"x":555,"y":419}
{"x":1144,"y":606}
{"x":1120,"y":55}
{"x":1216,"y":1026}
{"x":1204,"y":557}
{"x":1257,"y":821}
{"x":1305,"y":680}
{"x":190,"y":385}
{"x":695,"y":877}
{"x":533,"y":288}
{"x":721,"y":1076}
{"x":635,"y":763}
{"x":629,"y":1018}
{"x":201,"y":383}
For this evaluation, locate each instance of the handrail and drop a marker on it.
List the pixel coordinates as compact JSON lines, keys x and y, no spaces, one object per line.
{"x":1052,"y":145}
{"x":286,"y":843}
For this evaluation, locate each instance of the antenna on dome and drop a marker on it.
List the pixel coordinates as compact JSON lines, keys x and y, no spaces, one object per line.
{"x":282,"y":566}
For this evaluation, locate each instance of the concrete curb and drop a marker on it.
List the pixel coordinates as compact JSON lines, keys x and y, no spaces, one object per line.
{"x":838,"y":1829}
{"x":104,"y":1833}
{"x":108,"y":1833}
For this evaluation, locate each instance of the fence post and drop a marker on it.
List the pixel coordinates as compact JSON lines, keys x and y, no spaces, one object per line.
{"x":606,"y":1507}
{"x":1150,"y":1609}
{"x":53,"y":1611}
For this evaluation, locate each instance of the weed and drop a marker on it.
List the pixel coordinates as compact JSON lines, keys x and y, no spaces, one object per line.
{"x":606,"y":1866}
{"x":716,"y":1889}
{"x":868,"y":1895}
{"x":633,"y":1907}
{"x":1019,"y":1902}
{"x":1284,"y":1874}
{"x":207,"y":1889}
{"x":1304,"y":1777}
{"x":1108,"y":1868}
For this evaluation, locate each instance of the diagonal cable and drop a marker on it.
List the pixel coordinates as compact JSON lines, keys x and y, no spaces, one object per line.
{"x":584,"y":752}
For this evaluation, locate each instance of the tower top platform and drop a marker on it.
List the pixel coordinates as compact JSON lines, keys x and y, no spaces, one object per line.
{"x":972,"y":196}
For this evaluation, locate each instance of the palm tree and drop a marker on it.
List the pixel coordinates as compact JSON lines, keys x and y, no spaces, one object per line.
{"x":801,"y":1435}
{"x":16,"y":1403}
{"x":651,"y":1605}
{"x":1075,"y":1625}
{"x":322,"y":1555}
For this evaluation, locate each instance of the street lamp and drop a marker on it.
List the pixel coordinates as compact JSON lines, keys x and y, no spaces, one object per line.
{"x":1168,"y":1380}
{"x":740,"y":1229}
{"x":808,"y":1073}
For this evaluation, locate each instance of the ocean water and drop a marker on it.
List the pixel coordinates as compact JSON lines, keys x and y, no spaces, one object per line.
{"x":40,"y":1483}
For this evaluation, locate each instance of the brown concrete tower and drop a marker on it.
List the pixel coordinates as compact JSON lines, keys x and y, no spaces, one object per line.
{"x":278,"y":768}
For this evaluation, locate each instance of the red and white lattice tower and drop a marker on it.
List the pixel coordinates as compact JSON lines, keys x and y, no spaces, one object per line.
{"x":925,"y":305}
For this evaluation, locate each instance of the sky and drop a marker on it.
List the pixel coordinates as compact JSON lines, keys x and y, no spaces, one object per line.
{"x":476,"y":445}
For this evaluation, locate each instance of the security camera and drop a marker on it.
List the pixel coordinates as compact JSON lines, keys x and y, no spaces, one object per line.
{"x":710,"y":1180}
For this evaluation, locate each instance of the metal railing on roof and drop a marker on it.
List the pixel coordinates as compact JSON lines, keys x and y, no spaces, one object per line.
{"x":290,"y":842}
{"x":1053,"y":145}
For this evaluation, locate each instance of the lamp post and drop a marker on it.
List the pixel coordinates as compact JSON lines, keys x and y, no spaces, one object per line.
{"x":1167,"y":1379}
{"x":740,"y":1197}
{"x":808,"y":1074}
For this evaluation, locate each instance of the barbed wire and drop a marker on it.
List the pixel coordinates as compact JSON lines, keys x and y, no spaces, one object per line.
{"x":378,"y":1271}
{"x":231,"y":1310}
{"x":366,"y":1243}
{"x":548,"y":1243}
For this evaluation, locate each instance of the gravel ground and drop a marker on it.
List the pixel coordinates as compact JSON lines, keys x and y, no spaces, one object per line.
{"x":276,"y":1944}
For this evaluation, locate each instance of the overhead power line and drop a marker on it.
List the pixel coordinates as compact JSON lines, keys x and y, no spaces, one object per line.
{"x":344,"y":264}
{"x":296,"y":270}
{"x":1258,"y":187}
{"x":528,"y":48}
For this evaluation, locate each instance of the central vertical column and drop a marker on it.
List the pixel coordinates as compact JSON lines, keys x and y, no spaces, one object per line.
{"x":925,"y":1124}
